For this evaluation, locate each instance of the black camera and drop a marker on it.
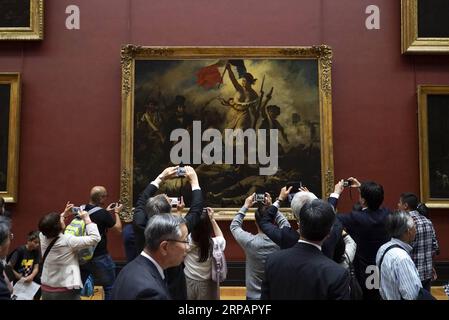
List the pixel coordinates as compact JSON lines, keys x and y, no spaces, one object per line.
{"x":259,"y":197}
{"x":181,"y":172}
{"x":295,"y":188}
{"x":347,"y":183}
{"x":174,"y":201}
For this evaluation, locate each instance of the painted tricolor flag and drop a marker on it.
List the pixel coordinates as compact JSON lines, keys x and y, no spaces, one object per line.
{"x":210,"y":76}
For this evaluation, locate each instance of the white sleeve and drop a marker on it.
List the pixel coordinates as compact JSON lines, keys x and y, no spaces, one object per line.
{"x":221,"y":242}
{"x":91,"y":239}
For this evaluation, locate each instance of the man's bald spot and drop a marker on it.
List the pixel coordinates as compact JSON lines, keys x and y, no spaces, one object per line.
{"x":96,"y":193}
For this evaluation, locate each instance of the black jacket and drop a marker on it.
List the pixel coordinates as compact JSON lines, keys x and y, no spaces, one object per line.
{"x":140,"y":280}
{"x":175,"y":275}
{"x":287,"y":237}
{"x":304,"y":273}
{"x":4,"y":291}
{"x":367,"y":228}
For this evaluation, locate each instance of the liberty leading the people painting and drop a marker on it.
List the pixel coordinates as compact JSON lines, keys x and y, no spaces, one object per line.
{"x":247,"y":119}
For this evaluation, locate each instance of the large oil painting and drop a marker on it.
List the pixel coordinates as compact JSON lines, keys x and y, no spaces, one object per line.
{"x":183,"y":105}
{"x":9,"y":135}
{"x":434,"y":144}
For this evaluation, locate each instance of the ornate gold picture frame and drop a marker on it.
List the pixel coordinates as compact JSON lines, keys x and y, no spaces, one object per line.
{"x":172,"y":87}
{"x":9,"y":135}
{"x":21,"y":19}
{"x":433,"y":107}
{"x":423,"y":37}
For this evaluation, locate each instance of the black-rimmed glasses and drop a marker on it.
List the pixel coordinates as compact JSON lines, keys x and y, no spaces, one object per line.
{"x":182,"y":241}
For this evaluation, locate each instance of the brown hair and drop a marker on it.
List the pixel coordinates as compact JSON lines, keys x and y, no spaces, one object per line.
{"x":50,"y":225}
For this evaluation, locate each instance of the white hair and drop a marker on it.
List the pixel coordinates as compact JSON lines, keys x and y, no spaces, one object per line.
{"x":299,"y":200}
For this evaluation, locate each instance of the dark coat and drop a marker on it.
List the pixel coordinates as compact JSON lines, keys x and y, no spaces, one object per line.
{"x":304,"y":273}
{"x":140,"y":280}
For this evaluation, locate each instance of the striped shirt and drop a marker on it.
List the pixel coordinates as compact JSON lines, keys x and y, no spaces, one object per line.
{"x":399,"y":278}
{"x":424,"y":246}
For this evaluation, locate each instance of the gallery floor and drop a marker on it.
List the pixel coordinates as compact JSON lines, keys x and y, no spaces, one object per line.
{"x":239,"y":293}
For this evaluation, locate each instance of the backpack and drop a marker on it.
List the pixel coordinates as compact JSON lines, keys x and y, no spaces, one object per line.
{"x":219,"y":267}
{"x":77,"y":228}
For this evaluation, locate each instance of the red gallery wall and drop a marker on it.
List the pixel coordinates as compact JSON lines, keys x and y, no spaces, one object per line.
{"x":71,"y":105}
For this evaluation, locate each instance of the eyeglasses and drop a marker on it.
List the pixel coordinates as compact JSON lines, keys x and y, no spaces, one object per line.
{"x":182,"y":241}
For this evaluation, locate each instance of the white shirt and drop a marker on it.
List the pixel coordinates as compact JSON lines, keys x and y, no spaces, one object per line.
{"x":311,"y":243}
{"x":158,"y":267}
{"x":61,"y":268}
{"x":200,"y":271}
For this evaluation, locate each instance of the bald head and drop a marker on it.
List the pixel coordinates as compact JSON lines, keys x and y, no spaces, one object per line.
{"x":97,"y":195}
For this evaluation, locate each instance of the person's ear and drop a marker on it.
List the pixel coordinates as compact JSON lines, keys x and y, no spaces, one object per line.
{"x":163,"y":247}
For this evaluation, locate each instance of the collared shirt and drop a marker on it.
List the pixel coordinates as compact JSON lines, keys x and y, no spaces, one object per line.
{"x":399,"y":278}
{"x":424,"y":245}
{"x":158,"y":267}
{"x":311,"y":243}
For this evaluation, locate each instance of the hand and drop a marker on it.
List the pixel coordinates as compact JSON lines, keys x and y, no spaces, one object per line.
{"x":303,"y":189}
{"x":168,"y":173}
{"x":355,"y":183}
{"x":284,"y":193}
{"x":180,"y":206}
{"x":249,"y":201}
{"x":268,"y":200}
{"x":111,"y":207}
{"x":119,"y":207}
{"x":191,"y":175}
{"x":68,"y":210}
{"x":434,"y":274}
{"x":27,"y":279}
{"x":339,"y":187}
{"x":210,"y":212}
{"x":85,"y":216}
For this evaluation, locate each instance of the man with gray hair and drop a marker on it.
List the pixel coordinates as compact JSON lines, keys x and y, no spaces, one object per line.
{"x":286,"y":237}
{"x":399,"y":278}
{"x":149,"y":205}
{"x":5,"y":241}
{"x":166,"y":246}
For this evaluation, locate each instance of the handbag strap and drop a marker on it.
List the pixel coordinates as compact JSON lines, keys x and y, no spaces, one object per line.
{"x":383,"y":255}
{"x":47,"y":251}
{"x":382,"y":259}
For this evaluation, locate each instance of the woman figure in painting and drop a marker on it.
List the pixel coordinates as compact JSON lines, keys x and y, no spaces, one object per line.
{"x":244,"y":102}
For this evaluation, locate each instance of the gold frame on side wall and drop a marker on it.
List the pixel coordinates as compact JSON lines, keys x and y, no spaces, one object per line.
{"x":410,"y":42}
{"x":423,"y":121}
{"x":35,"y":31}
{"x":132,"y":53}
{"x":13,"y":80}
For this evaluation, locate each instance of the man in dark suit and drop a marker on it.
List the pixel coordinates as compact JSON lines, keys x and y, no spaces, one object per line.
{"x":5,"y":241}
{"x":149,"y":205}
{"x":303,"y":272}
{"x":166,"y":246}
{"x":366,"y":225}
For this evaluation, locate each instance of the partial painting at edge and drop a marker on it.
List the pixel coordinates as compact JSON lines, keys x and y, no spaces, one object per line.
{"x":15,"y":13}
{"x":438,"y":145}
{"x":283,"y":94}
{"x":5,"y":90}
